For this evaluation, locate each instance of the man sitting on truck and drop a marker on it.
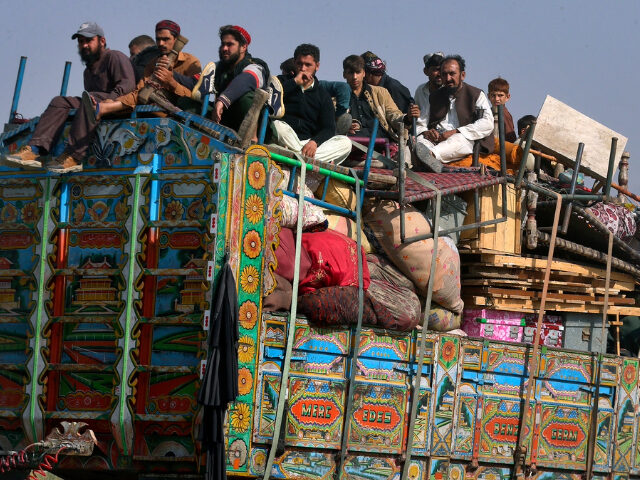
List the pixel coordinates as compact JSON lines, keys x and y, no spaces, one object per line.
{"x":459,"y":114}
{"x":369,"y":102}
{"x":142,"y":50}
{"x":376,"y":75}
{"x":107,"y":75}
{"x":309,"y":125}
{"x":160,"y":73}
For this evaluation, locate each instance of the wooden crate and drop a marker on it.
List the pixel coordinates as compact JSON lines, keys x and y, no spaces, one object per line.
{"x":503,"y":237}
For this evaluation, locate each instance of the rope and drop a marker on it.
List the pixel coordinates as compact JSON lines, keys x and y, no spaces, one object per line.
{"x":284,"y":387}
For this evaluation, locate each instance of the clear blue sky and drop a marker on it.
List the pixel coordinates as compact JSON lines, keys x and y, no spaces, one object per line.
{"x":581,"y":52}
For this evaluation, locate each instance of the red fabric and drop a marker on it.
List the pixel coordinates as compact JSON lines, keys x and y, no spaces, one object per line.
{"x":173,"y":27}
{"x":286,"y":254}
{"x":243,"y":32}
{"x":334,"y":261}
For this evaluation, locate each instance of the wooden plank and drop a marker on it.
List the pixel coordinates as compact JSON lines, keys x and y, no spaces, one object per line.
{"x":483,"y":271}
{"x":552,"y":296}
{"x":533,"y":306}
{"x":559,"y":130}
{"x":558,"y":265}
{"x":532,"y":285}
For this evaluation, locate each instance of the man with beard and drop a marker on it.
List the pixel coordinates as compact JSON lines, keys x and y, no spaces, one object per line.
{"x":309,"y":125}
{"x":107,"y":75}
{"x":235,"y":78}
{"x":459,"y":114}
{"x":159,"y":73}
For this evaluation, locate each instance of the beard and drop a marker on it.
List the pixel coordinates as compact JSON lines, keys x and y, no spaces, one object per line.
{"x":231,"y":60}
{"x":88,"y":57}
{"x":451,"y":90}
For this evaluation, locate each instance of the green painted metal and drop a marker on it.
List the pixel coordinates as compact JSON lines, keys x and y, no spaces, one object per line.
{"x":40,"y":305}
{"x":129,"y":307}
{"x":308,"y":166}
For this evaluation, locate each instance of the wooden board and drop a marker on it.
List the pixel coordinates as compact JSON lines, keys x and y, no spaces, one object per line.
{"x":560,"y":129}
{"x":528,"y":306}
{"x":539,"y":263}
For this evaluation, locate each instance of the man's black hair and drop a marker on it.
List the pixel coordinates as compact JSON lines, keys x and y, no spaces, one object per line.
{"x":455,"y":58}
{"x":526,"y":121}
{"x":307,"y":49}
{"x":142,"y":41}
{"x":229,"y":30}
{"x":288,"y":66}
{"x":353,"y":63}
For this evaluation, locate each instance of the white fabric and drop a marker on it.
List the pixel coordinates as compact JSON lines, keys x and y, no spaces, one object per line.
{"x":460,"y":144}
{"x":454,"y":148}
{"x":258,"y":71}
{"x":422,"y":100}
{"x":334,"y":150}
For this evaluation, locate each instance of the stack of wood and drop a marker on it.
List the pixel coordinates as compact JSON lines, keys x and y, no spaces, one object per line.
{"x":509,"y":282}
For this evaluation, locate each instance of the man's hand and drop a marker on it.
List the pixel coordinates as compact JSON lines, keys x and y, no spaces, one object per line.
{"x":432,"y":135}
{"x":309,"y":150}
{"x":218,"y":108}
{"x":414,"y":111}
{"x":165,"y":78}
{"x":355,"y":126}
{"x":302,"y":78}
{"x":446,"y":135}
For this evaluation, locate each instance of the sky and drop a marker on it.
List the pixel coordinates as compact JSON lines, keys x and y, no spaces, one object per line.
{"x":580,"y":52}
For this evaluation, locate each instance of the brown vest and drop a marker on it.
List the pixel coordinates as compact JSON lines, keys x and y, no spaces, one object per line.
{"x":466,"y":98}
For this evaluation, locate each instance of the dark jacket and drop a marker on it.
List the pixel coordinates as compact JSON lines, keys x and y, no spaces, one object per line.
{"x":310,"y":113}
{"x":141,"y":60}
{"x":466,"y":98}
{"x":400,"y":94}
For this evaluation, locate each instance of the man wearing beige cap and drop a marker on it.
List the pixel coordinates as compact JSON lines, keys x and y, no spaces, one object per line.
{"x":108,"y":74}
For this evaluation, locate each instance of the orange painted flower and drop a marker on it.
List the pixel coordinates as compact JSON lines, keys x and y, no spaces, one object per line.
{"x":174,"y":210}
{"x":252,"y":244}
{"x":121,"y":210}
{"x":246,"y":349}
{"x":30,"y":212}
{"x":254,"y":208}
{"x":241,"y":417}
{"x":448,"y":351}
{"x":257,"y":175}
{"x":245,"y":381}
{"x":248,"y":314}
{"x":78,"y":212}
{"x":249,"y":279}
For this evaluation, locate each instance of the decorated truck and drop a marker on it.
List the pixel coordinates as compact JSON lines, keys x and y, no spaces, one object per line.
{"x":108,"y":280}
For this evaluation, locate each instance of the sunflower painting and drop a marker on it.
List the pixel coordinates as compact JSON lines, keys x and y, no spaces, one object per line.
{"x":254,"y":208}
{"x":174,"y":210}
{"x":248,"y":314}
{"x":246,"y":349}
{"x":252,"y":244}
{"x":249,"y":279}
{"x":241,"y":417}
{"x":257,"y":175}
{"x":30,"y":212}
{"x":245,"y":381}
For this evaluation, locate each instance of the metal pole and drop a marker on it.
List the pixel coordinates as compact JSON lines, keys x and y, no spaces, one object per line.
{"x":572,"y":189}
{"x":65,"y":79}
{"x":503,"y":158}
{"x":18,"y":87}
{"x":525,"y":154}
{"x":612,"y":160}
{"x":521,"y":449}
